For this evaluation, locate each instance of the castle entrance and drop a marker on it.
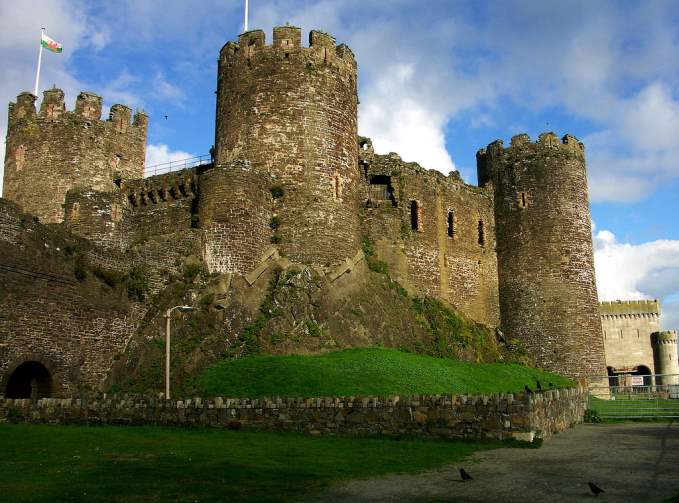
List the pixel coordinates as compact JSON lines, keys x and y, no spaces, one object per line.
{"x":31,"y":379}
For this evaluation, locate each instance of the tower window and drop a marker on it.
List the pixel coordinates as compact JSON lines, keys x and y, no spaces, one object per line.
{"x":451,"y":224}
{"x":482,"y":237}
{"x":523,"y":200}
{"x":415,"y":220}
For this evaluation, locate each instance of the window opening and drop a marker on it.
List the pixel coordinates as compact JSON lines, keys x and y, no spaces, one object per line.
{"x":451,"y":224}
{"x":414,"y":216}
{"x":482,"y":237}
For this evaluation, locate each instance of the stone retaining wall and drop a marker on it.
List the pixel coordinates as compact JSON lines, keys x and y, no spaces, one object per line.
{"x":499,"y":416}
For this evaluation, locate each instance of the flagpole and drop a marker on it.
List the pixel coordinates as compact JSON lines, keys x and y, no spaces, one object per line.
{"x":245,"y":24}
{"x":37,"y":73}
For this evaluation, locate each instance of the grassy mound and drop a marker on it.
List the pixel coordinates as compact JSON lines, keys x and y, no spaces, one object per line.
{"x":374,"y":371}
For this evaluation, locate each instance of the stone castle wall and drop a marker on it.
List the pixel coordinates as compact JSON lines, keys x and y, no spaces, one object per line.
{"x":548,"y":296}
{"x":50,"y":152}
{"x":436,"y":233}
{"x":235,"y":210}
{"x":627,"y":328}
{"x":291,"y":111}
{"x":498,"y":416}
{"x":47,"y":315}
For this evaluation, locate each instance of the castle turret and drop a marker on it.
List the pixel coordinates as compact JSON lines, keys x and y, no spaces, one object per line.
{"x":548,"y":296}
{"x":56,"y":150}
{"x":291,"y":111}
{"x":665,"y":351}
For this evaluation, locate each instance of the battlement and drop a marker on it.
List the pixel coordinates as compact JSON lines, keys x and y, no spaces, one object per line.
{"x":287,"y":40}
{"x":548,"y":139}
{"x":88,"y":107}
{"x":628,"y":307}
{"x":159,"y":189}
{"x":665,"y":337}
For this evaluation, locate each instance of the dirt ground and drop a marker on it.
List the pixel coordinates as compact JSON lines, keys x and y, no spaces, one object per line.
{"x":632,"y":462}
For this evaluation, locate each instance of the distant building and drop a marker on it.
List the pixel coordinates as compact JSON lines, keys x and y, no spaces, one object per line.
{"x":634,"y":343}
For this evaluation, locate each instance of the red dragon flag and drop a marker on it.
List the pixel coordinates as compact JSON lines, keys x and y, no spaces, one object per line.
{"x":49,"y":44}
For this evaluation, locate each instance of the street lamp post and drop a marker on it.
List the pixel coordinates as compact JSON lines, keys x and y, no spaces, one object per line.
{"x":168,"y":317}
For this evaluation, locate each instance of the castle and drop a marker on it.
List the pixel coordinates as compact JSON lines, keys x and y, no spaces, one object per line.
{"x":290,"y":177}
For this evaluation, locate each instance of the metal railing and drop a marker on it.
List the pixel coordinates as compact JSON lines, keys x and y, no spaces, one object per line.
{"x":653,"y":396}
{"x":167,"y":167}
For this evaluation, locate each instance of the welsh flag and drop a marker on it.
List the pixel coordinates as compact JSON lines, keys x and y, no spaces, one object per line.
{"x":49,"y":44}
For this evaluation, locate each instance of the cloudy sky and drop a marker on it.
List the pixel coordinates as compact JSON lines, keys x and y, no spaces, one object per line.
{"x":437,"y":81}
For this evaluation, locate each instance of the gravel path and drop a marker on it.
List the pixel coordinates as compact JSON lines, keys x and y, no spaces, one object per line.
{"x":632,"y":462}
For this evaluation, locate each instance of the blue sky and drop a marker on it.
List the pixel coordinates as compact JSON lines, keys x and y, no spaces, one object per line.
{"x":437,"y":81}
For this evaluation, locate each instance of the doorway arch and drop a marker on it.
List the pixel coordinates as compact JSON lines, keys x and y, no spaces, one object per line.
{"x":30,"y":379}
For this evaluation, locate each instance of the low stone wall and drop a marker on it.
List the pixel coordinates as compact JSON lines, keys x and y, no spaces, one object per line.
{"x":499,"y":416}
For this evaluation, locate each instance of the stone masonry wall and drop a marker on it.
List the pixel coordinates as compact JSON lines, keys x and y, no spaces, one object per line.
{"x":73,"y":328}
{"x":291,"y":111}
{"x":235,"y":210}
{"x":548,"y":296}
{"x":499,"y":416}
{"x":52,"y":151}
{"x":440,"y":255}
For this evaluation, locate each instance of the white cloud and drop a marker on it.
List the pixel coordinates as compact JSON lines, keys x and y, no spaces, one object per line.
{"x":161,"y":153}
{"x":398,"y":122}
{"x":646,"y":271}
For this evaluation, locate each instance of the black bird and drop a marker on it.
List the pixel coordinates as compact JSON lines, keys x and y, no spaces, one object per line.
{"x":539,"y":386}
{"x":165,"y":117}
{"x":465,"y":476}
{"x":551,"y":384}
{"x":528,"y":390}
{"x":595,"y":489}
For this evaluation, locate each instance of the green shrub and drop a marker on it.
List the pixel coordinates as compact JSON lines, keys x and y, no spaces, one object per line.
{"x":275,"y":222}
{"x":592,"y":416}
{"x":313,"y":328}
{"x":14,"y":415}
{"x":137,"y":283}
{"x":206,"y":301}
{"x":277,"y":191}
{"x":276,"y":238}
{"x":192,"y":270}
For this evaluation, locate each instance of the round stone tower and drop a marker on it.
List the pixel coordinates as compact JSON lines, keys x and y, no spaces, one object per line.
{"x":548,"y":297}
{"x":665,"y":353}
{"x":50,"y":152}
{"x":291,"y":111}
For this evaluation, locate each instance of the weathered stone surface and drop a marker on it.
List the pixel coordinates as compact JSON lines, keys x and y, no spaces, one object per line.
{"x":540,"y":415}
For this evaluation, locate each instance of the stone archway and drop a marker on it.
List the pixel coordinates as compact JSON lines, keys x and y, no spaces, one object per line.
{"x":30,"y":379}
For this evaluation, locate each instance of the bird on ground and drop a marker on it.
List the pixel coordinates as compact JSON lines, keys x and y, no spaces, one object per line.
{"x":528,"y":390}
{"x":551,"y":384}
{"x":539,"y":386}
{"x":465,"y":476}
{"x":596,"y":490}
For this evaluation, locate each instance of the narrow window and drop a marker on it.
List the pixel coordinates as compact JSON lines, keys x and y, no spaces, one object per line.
{"x":482,"y":237}
{"x":523,"y":201}
{"x":337,"y":187}
{"x":414,"y":215}
{"x":451,"y":224}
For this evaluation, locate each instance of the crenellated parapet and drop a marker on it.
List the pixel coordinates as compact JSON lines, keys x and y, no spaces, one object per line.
{"x":161,"y":189}
{"x":53,"y":150}
{"x":626,"y":309}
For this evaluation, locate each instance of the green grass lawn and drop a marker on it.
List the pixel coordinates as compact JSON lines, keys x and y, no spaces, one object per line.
{"x":147,"y":464}
{"x":374,"y":371}
{"x":627,"y":407}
